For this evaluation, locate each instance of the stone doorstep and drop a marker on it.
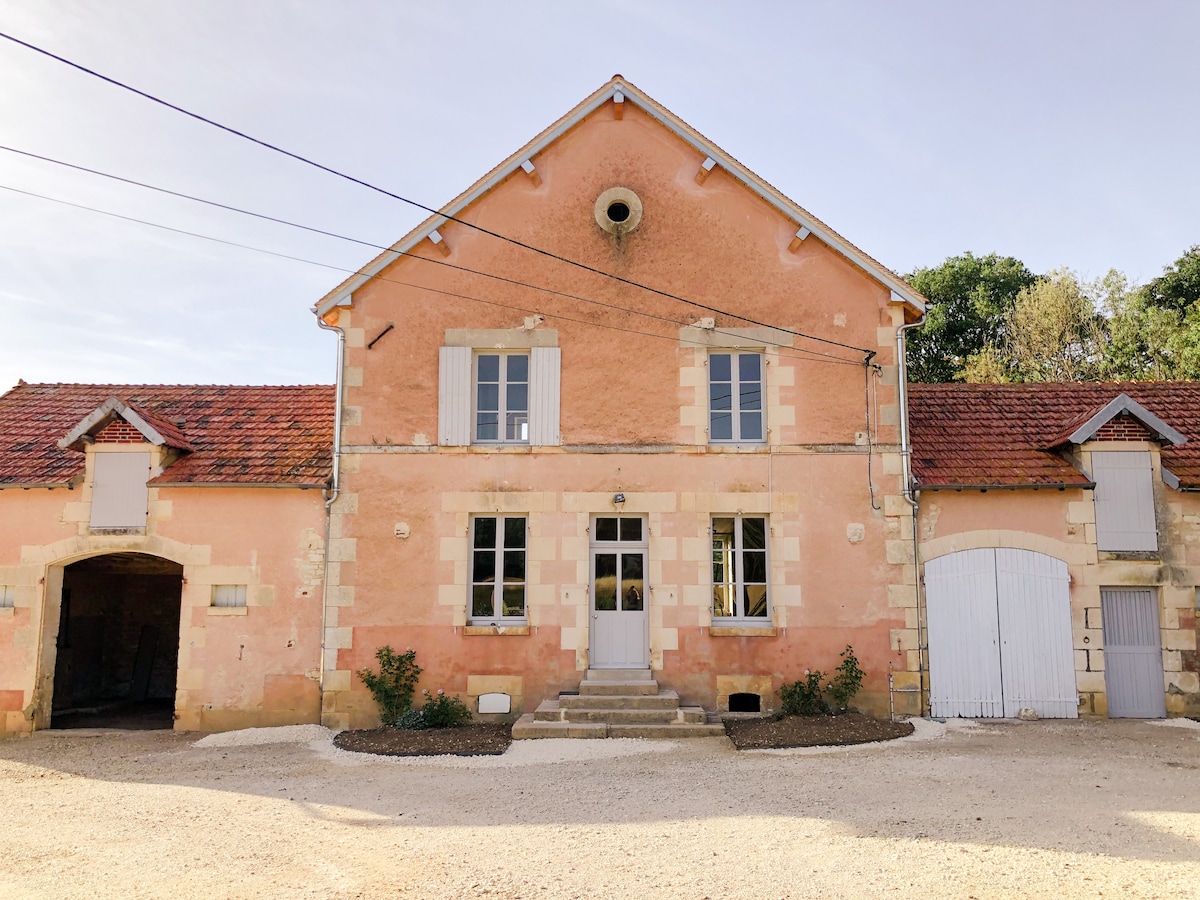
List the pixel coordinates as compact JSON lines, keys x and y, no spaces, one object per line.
{"x":618,"y":688}
{"x":661,"y":700}
{"x":527,"y":727}
{"x":625,"y":675}
{"x":551,"y":711}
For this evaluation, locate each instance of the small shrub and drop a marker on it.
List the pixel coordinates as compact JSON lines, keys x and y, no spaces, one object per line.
{"x":847,"y":681}
{"x":443,"y":711}
{"x":411,"y":720}
{"x":803,"y":698}
{"x":394,"y":684}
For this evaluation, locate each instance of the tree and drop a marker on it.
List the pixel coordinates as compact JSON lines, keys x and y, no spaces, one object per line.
{"x":1148,"y":341}
{"x":1053,"y":332}
{"x":969,"y":298}
{"x":1178,"y":287}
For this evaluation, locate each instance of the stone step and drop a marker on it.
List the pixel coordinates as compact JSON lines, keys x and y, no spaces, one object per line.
{"x":618,"y":688}
{"x":618,"y":675}
{"x":633,"y":716}
{"x":661,"y":700}
{"x":527,"y":728}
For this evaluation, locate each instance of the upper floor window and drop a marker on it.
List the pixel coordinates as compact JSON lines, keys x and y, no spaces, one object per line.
{"x":735,"y":392}
{"x":120,"y":495}
{"x":502,"y":398}
{"x":739,"y":558}
{"x":1124,"y":499}
{"x":497,"y":568}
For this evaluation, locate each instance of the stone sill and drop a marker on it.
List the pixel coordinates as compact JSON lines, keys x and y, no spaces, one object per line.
{"x":131,"y":530}
{"x":742,"y":631}
{"x":511,"y":630}
{"x":227,"y":610}
{"x":7,"y":611}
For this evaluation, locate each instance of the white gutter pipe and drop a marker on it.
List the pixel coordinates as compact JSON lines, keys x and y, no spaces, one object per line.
{"x":911,"y":495}
{"x":331,"y":494}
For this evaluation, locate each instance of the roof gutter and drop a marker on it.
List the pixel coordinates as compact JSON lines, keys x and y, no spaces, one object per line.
{"x":331,"y":494}
{"x":1058,"y":485}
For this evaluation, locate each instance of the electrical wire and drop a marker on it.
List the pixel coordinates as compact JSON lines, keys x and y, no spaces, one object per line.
{"x":421,"y":287}
{"x":332,"y":171}
{"x":275,"y":219}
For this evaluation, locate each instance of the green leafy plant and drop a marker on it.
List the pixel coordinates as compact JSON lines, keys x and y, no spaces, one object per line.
{"x":847,"y":681}
{"x":803,"y":697}
{"x":393,"y":685}
{"x":443,"y":711}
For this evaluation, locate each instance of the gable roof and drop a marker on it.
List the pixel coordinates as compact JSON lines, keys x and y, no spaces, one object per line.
{"x":237,"y":435}
{"x":1005,"y":435}
{"x":154,"y":429}
{"x":618,"y":87}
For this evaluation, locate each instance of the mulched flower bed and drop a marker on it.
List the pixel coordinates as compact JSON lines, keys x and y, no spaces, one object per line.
{"x":812,"y":731}
{"x":476,"y":739}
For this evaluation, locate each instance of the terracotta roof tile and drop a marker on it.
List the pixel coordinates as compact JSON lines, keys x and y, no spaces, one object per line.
{"x":237,"y":434}
{"x":999,"y":434}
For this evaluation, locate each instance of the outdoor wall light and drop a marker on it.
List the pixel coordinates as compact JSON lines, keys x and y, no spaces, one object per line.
{"x":618,"y":498}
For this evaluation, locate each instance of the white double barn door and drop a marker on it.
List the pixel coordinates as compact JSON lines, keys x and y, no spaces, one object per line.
{"x":999,"y":633}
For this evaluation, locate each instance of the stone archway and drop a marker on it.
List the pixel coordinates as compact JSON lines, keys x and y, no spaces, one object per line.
{"x":116,"y":645}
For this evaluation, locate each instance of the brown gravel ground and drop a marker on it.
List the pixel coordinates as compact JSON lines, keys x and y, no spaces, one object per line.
{"x":812,"y":731}
{"x":1009,"y":809}
{"x":476,"y":739}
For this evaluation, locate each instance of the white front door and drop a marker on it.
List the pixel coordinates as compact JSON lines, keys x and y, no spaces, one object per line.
{"x":620,"y":636}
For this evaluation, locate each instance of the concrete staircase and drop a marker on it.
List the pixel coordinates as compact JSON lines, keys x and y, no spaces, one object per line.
{"x":616,"y":703}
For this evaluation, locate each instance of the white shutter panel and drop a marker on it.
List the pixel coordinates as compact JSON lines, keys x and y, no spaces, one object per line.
{"x":1124,"y":498}
{"x":544,"y":365}
{"x":454,"y":397}
{"x":119,"y":492}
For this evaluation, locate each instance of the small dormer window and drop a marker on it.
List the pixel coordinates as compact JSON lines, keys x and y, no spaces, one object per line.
{"x":1125,"y":518}
{"x":119,"y":493}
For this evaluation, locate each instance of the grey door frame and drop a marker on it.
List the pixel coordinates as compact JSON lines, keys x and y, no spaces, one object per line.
{"x":642,"y":627}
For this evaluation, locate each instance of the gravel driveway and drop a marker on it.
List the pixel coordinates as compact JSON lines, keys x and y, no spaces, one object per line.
{"x":1054,"y":809}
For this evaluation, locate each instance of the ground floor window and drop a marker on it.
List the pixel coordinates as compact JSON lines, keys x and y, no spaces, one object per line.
{"x":739,"y":560}
{"x":498,"y":549}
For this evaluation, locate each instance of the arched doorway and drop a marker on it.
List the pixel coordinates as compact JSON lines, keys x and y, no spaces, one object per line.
{"x":117,"y":647}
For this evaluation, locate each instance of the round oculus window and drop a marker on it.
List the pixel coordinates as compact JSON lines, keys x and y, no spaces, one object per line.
{"x":618,"y":210}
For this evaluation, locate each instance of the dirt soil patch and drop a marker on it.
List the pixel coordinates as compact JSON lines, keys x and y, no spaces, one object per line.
{"x":476,"y":739}
{"x":812,"y":731}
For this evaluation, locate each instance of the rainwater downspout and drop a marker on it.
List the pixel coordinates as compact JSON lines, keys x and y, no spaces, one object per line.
{"x":911,"y":497}
{"x":331,"y":494}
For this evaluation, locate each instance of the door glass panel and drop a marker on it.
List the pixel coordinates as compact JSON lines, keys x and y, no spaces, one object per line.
{"x":632,"y":585}
{"x":631,"y":529}
{"x":606,"y":580}
{"x":606,"y":529}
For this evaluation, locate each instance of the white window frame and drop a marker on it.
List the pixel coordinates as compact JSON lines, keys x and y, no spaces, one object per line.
{"x":228,"y":596}
{"x":8,"y":596}
{"x":502,"y":390}
{"x":499,"y":548}
{"x":735,"y":410}
{"x":735,"y":571}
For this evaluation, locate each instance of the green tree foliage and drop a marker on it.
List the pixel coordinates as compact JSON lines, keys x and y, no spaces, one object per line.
{"x":1178,"y":287}
{"x":970,"y":296}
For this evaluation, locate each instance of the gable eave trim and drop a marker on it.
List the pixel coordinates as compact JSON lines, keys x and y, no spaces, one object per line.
{"x":900,"y":289}
{"x":1123,"y":403}
{"x":111,"y":406}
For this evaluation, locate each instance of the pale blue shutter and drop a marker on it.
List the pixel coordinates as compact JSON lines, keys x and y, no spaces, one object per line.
{"x":454,"y":397}
{"x":119,"y":492}
{"x":544,"y":365}
{"x":1124,"y":498}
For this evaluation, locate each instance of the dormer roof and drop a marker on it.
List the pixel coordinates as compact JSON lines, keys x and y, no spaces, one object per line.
{"x":154,"y":429}
{"x":1084,"y":427}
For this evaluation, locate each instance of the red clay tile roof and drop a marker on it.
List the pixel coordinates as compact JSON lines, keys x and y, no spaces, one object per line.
{"x":997,"y":434}
{"x":238,"y":435}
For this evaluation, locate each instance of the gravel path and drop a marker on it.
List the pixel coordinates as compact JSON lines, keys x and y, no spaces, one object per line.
{"x":1039,"y":809}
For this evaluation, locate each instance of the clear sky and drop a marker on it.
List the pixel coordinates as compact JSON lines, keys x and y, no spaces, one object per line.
{"x":1063,"y":133}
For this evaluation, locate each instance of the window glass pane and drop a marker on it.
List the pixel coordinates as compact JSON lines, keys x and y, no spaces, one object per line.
{"x":518,"y":368}
{"x":721,"y":427}
{"x":633,"y":586}
{"x":750,"y":396}
{"x":514,"y":532}
{"x":517,"y":398}
{"x":631,"y":529}
{"x":755,"y":600}
{"x":749,"y":367}
{"x":514,"y":565}
{"x":514,"y":600}
{"x":755,"y":563}
{"x":754,"y":534}
{"x":483,"y":568}
{"x":606,"y":581}
{"x":489,"y":368}
{"x":719,"y":367}
{"x":487,"y":427}
{"x":722,"y":600}
{"x":516,"y":427}
{"x":751,"y":426}
{"x":720,"y":396}
{"x":606,"y":529}
{"x":488,"y":398}
{"x":485,"y":532}
{"x":481,"y":600}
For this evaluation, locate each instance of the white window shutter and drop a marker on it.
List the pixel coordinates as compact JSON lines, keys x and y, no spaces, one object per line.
{"x":119,"y":492}
{"x":544,"y":365}
{"x":454,"y":397}
{"x":1124,"y":498}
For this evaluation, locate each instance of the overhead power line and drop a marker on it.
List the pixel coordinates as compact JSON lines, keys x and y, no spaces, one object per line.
{"x":338,"y":173}
{"x":792,"y":352}
{"x":280,"y":221}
